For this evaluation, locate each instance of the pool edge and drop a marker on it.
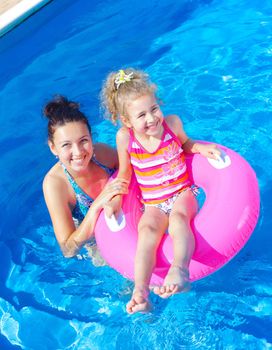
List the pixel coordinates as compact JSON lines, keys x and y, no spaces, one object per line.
{"x":18,"y":13}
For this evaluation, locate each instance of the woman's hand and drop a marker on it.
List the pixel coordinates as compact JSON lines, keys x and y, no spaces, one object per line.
{"x":113,"y":207}
{"x":208,"y":150}
{"x":116,"y":187}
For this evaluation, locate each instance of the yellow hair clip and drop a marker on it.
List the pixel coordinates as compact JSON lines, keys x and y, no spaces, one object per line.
{"x":122,"y":77}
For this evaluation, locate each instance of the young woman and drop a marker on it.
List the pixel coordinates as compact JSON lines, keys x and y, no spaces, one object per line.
{"x":76,"y":188}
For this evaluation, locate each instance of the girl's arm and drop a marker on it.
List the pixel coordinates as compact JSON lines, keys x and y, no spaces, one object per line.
{"x":122,"y":142}
{"x":70,"y":238}
{"x":190,"y":146}
{"x":113,"y":207}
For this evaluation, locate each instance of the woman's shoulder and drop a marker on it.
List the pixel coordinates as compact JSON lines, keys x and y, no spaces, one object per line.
{"x":56,"y":190}
{"x":54,"y":179}
{"x":106,"y":155}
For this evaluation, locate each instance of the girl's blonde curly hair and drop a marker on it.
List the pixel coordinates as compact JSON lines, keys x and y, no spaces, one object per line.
{"x":115,"y":94}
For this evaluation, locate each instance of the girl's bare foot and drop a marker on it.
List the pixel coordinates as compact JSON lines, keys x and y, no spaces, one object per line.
{"x":176,"y":281}
{"x":139,"y":301}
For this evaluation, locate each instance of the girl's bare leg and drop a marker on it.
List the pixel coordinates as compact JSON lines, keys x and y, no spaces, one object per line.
{"x":152,"y":226}
{"x":183,"y":211}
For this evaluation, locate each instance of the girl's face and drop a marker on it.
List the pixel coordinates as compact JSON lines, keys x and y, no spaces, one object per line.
{"x":144,"y":116}
{"x":73,"y":145}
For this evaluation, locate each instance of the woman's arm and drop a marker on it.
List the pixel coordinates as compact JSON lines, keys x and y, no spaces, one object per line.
{"x":190,"y":146}
{"x":70,"y":238}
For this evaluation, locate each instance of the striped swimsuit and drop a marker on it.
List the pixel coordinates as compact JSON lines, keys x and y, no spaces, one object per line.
{"x":162,"y":174}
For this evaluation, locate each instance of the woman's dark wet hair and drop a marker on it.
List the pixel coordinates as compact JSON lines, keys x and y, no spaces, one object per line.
{"x":61,"y":111}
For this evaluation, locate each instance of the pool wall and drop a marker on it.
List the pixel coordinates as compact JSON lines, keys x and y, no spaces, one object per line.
{"x":18,"y":13}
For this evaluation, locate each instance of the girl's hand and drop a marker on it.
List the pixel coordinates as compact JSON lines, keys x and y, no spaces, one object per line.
{"x":209,"y":150}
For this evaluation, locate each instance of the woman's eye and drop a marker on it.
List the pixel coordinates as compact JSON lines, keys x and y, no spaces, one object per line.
{"x":141,"y":115}
{"x":155,"y":108}
{"x":65,"y":145}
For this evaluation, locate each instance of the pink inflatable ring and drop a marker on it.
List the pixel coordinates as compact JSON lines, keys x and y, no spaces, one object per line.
{"x":221,"y":228}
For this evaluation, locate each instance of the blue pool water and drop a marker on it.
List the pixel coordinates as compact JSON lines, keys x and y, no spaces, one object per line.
{"x":212,"y":61}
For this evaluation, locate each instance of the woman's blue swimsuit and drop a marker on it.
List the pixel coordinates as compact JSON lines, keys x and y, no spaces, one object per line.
{"x":83,"y":201}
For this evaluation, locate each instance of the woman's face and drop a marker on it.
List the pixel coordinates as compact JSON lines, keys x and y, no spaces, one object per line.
{"x":72,"y":143}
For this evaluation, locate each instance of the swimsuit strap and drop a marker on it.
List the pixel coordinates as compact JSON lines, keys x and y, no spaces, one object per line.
{"x":83,"y":200}
{"x":169,"y":131}
{"x":131,"y":139}
{"x":73,"y":183}
{"x":108,"y":170}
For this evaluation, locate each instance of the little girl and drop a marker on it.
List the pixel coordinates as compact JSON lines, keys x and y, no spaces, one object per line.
{"x":153,"y":147}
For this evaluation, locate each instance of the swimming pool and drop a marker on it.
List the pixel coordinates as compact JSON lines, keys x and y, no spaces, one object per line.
{"x":212,"y":61}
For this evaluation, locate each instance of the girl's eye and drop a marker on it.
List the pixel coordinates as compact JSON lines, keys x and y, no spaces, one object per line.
{"x":65,"y":145}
